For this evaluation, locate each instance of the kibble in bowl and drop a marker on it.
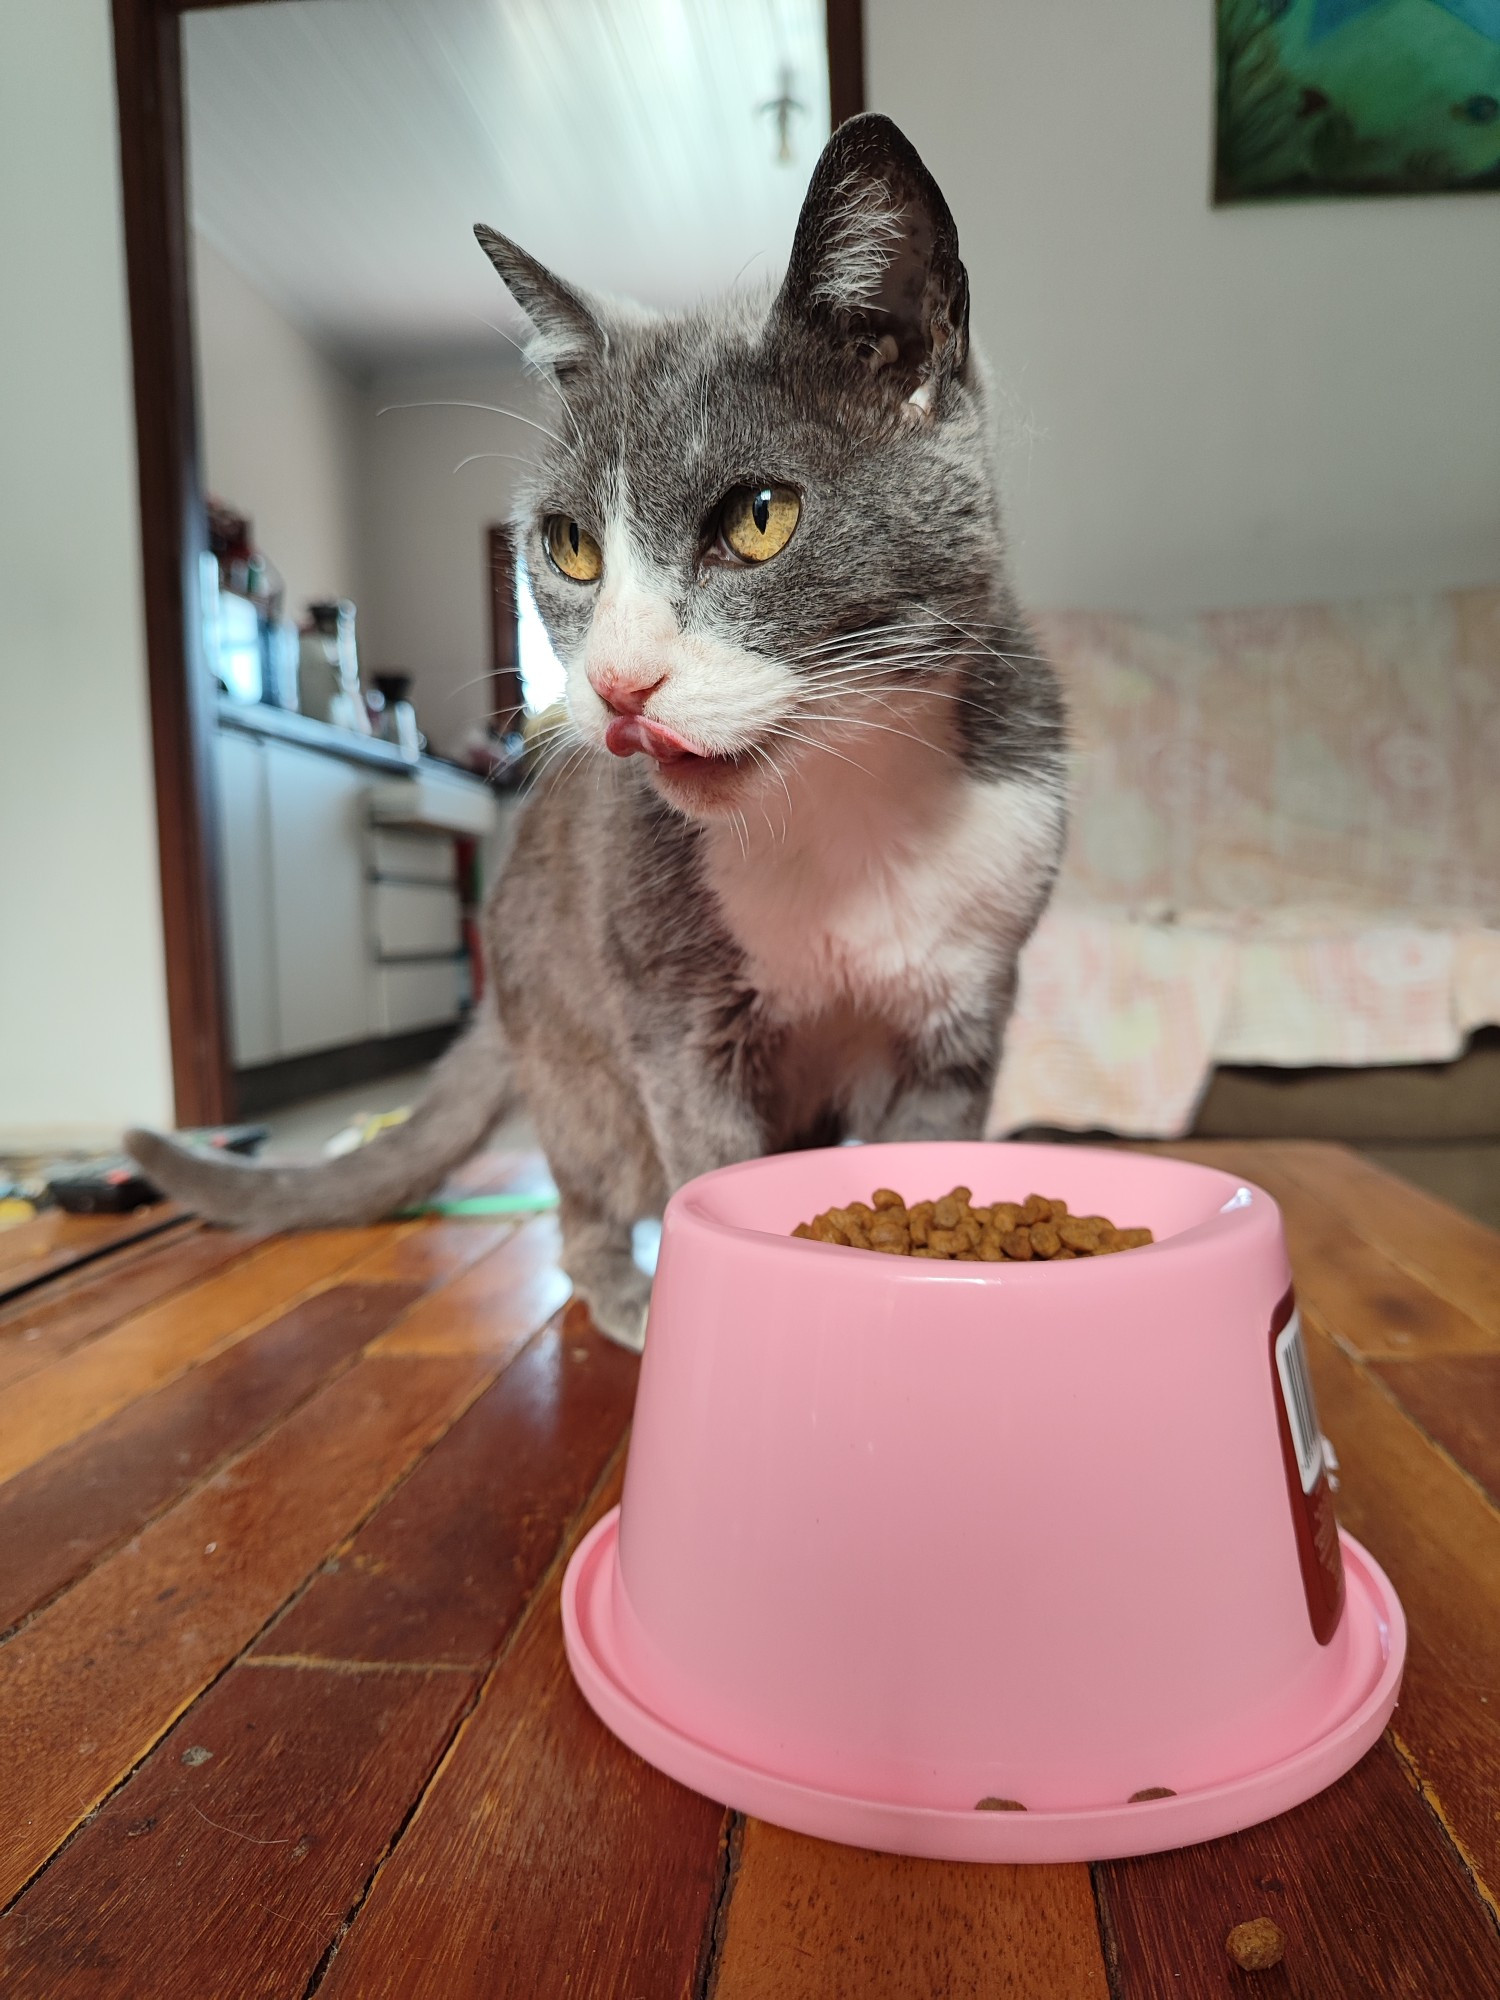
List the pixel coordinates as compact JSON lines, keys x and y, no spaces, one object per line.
{"x":952,"y":1228}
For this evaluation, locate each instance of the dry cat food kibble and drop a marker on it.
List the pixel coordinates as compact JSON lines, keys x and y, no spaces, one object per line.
{"x":1012,"y":1232}
{"x":1257,"y":1945}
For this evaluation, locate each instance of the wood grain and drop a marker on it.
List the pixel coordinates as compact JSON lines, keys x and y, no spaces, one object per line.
{"x":846,"y":58}
{"x":83,"y":1388}
{"x":1438,"y":1538}
{"x":436,"y":1250}
{"x":1455,"y":1256}
{"x":43,"y":1325}
{"x":811,"y":1921}
{"x":495,"y":1306}
{"x":1370,"y":1301}
{"x":61,"y":1514}
{"x":1369,"y":1893}
{"x":92,"y":1681}
{"x":443,"y":1569}
{"x":546,"y":1859}
{"x":1456,"y":1400}
{"x":55,"y":1241}
{"x":226,"y":1863}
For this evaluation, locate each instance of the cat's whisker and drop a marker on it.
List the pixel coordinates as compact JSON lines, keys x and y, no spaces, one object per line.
{"x":885,"y":728}
{"x":537,"y":373}
{"x":890,"y":658}
{"x":516,"y":457}
{"x":874,"y":690}
{"x":493,"y":409}
{"x":994,"y":651}
{"x":566,"y":749}
{"x":813,"y":743}
{"x":765,"y":758}
{"x":877,"y":639}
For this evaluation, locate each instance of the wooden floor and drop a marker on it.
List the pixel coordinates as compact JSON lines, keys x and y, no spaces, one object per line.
{"x":283,"y":1702}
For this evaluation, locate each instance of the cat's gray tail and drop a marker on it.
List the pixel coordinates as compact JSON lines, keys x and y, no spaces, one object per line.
{"x":470,"y":1089}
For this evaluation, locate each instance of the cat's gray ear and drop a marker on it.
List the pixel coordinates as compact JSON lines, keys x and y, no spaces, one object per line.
{"x":875,"y":263}
{"x":568,"y":333}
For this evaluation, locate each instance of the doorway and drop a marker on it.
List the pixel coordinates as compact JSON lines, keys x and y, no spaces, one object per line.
{"x":299,"y":183}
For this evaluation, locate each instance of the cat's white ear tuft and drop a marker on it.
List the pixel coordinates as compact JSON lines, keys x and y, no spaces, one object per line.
{"x":568,"y":331}
{"x":875,"y":264}
{"x":863,"y":237}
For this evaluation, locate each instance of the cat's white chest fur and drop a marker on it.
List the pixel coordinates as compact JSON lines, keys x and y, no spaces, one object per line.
{"x":898,"y":901}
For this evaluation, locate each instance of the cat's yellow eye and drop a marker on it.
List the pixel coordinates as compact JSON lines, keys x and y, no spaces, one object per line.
{"x":573,"y":549}
{"x":757,"y":521}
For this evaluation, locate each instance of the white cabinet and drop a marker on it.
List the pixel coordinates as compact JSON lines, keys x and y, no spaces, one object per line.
{"x":245,"y":875}
{"x":339,"y":894}
{"x":316,"y":810}
{"x":422,"y":994}
{"x":291,"y":872}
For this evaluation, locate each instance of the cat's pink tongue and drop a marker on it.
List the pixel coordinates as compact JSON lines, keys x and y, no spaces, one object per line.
{"x":627,"y":734}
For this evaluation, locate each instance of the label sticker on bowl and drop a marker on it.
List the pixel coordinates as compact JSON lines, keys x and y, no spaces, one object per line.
{"x":1313,"y":1517}
{"x":1296,"y":1390}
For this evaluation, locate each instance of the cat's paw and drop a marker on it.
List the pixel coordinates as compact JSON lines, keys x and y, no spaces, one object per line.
{"x":618,"y":1304}
{"x":624,"y":1324}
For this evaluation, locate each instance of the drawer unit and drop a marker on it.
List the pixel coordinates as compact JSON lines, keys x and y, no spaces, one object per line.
{"x":415,"y":920}
{"x":412,"y":857}
{"x":419,"y":995}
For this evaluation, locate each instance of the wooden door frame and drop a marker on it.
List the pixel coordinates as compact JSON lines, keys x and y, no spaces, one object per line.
{"x":148,"y":77}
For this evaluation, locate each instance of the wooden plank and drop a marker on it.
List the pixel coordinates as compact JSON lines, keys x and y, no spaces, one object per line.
{"x":60,"y":1515}
{"x":443,"y":1569}
{"x":1438,"y":1538}
{"x":434,"y":1250}
{"x":1456,"y":1399}
{"x":48,"y":1408}
{"x":1372,"y":1303}
{"x":811,"y":1921}
{"x":1451,"y":1253}
{"x":226,"y":1862}
{"x":43,"y":1325}
{"x":495,"y":1305}
{"x":16,"y":1310}
{"x":55,"y":1241}
{"x":546,"y":1859}
{"x":88,"y":1686}
{"x":1368,"y":1892}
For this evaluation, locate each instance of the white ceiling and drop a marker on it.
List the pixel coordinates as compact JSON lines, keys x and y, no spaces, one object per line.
{"x":340,"y":150}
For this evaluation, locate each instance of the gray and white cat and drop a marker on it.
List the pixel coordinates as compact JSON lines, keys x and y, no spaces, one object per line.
{"x":773,"y":894}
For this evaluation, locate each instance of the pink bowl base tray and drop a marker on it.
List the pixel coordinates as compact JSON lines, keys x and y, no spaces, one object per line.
{"x":1356,"y":1713}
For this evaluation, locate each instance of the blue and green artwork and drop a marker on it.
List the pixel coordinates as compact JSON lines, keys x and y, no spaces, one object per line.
{"x":1350,"y":97}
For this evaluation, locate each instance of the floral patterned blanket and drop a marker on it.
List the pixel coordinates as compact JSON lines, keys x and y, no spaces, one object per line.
{"x":1285,"y":849}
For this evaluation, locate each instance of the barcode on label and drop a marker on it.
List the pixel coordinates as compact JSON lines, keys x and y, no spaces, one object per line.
{"x":1302,"y":1412}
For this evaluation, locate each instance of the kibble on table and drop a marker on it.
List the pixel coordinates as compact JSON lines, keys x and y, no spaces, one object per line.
{"x":1257,"y":1945}
{"x":953,"y":1228}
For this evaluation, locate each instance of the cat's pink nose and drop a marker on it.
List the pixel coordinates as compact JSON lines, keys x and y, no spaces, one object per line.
{"x":622,"y":696}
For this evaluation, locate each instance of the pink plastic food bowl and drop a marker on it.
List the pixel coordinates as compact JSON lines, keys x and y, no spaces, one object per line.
{"x":992,"y":1562}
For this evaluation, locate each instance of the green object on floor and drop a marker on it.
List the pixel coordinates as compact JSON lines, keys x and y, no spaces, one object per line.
{"x":486,"y":1204}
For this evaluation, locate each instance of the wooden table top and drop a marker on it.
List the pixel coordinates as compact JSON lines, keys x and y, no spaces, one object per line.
{"x":283,"y":1702}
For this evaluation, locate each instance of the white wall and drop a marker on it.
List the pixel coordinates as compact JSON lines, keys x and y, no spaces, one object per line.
{"x":350,"y":502}
{"x":280,"y":428}
{"x":1200,"y":406}
{"x":426,"y":607}
{"x":83,"y":1020}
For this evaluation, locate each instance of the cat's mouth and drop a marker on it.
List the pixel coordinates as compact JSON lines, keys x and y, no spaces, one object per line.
{"x":633,"y":735}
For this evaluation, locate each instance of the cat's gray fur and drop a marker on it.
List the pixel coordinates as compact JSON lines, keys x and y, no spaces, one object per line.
{"x":819,"y":938}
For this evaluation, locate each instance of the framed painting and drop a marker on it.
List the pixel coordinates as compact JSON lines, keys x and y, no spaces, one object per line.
{"x":1356,"y":97}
